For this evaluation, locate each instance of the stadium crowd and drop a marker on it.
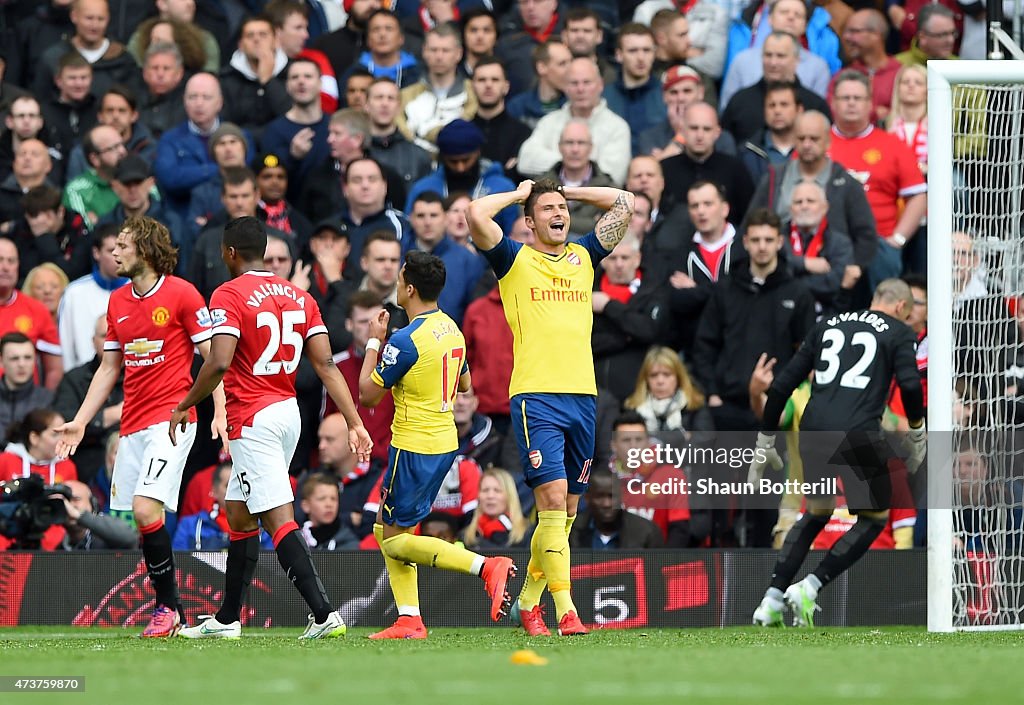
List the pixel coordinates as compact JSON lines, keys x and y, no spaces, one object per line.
{"x":359,"y":130}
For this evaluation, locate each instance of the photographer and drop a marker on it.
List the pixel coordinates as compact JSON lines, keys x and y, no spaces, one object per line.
{"x":86,"y":530}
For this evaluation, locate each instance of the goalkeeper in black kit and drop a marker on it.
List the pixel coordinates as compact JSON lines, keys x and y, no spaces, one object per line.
{"x":854,"y":357}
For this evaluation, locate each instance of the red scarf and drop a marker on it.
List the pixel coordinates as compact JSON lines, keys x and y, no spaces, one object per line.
{"x":277,"y":215}
{"x":489,"y":526}
{"x":620,"y":292}
{"x":429,"y":23}
{"x":220,"y":519}
{"x":542,"y":36}
{"x":919,"y":142}
{"x":817,"y":242}
{"x":684,"y":6}
{"x":319,"y":280}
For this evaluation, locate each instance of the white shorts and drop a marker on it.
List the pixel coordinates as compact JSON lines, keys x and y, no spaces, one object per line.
{"x":261,"y":458}
{"x":147,"y":465}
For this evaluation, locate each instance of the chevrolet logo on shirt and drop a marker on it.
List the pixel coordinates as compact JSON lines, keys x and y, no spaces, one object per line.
{"x":144,"y":347}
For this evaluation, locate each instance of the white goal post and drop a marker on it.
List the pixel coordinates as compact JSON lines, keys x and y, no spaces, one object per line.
{"x":974,"y":584}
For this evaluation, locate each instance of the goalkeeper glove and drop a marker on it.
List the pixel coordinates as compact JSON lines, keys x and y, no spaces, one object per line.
{"x":764,"y":455}
{"x":917,"y":440}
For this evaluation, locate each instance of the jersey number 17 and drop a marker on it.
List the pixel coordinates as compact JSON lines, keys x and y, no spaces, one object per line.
{"x":451,"y":370}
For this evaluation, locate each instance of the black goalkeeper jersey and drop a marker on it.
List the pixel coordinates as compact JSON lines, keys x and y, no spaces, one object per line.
{"x":854,"y":357}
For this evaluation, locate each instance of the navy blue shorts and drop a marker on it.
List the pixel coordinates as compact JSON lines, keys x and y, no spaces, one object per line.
{"x":411,"y":483}
{"x":555,"y":435}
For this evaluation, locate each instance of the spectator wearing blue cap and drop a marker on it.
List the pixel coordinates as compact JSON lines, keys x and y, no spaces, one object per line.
{"x":462,"y":169}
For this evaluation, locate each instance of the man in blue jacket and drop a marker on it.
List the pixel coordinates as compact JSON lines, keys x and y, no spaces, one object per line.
{"x":462,"y":169}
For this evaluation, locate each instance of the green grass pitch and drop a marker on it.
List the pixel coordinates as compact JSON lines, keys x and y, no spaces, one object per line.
{"x":739,"y":665}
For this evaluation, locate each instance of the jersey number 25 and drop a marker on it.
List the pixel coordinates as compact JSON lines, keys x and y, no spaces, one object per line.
{"x":282,"y":332}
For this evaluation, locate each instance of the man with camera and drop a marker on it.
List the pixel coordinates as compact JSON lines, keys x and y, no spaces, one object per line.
{"x":88,"y":530}
{"x":64,"y":517}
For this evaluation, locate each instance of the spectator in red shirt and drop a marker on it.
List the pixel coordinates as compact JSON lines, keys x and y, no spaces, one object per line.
{"x":864,"y":45}
{"x":20,"y":312}
{"x":887,"y":168}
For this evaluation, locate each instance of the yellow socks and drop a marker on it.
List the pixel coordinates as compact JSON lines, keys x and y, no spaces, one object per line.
{"x":402,"y":577}
{"x":427,"y":550}
{"x":536,"y":581}
{"x":553,"y":555}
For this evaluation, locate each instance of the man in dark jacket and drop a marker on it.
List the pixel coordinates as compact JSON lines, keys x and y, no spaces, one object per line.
{"x":700,"y":159}
{"x":604,"y":525}
{"x":817,"y":253}
{"x":49,"y":24}
{"x":630,"y":315}
{"x":162,"y":96}
{"x":757,"y":309}
{"x":19,"y":394}
{"x":503,"y":134}
{"x":521,"y":30}
{"x":701,"y":261}
{"x":387,"y":144}
{"x":111,"y":62}
{"x":240,"y":198}
{"x":348,"y":139}
{"x":254,"y":93}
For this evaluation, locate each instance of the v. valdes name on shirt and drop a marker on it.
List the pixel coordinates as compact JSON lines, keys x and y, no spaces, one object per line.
{"x":265,"y":291}
{"x":562,"y":291}
{"x":872,"y":319}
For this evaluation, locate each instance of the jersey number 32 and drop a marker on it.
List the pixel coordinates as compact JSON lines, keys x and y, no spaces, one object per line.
{"x":833,"y":341}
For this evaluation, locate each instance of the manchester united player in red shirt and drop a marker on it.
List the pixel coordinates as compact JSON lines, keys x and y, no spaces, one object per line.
{"x":261,"y":325}
{"x":153,"y":328}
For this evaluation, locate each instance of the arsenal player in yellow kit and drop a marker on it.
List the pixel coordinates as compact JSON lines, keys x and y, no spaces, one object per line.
{"x":546,"y":292}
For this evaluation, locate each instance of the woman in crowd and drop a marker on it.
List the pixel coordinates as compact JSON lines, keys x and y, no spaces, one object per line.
{"x":908,"y":120}
{"x":498,"y":520}
{"x":32,"y":448}
{"x":46,"y":283}
{"x":668,"y":399}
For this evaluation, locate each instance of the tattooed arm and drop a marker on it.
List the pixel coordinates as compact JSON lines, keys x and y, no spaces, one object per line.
{"x":611,"y":228}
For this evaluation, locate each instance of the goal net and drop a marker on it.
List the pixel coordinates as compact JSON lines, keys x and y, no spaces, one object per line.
{"x":976,"y":348}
